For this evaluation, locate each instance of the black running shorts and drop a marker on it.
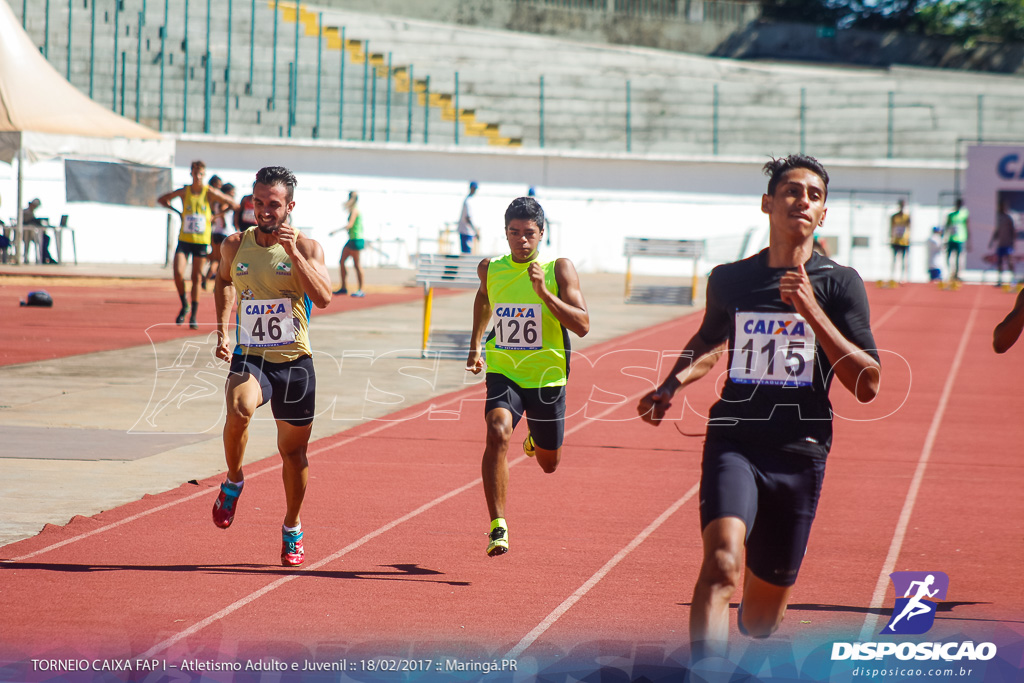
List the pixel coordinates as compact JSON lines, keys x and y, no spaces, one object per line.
{"x":195,"y":250}
{"x":774,"y":493}
{"x":290,"y":387}
{"x":544,"y":408}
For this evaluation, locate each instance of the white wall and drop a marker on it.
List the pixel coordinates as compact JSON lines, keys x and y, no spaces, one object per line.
{"x":992,"y":169}
{"x":409,"y":192}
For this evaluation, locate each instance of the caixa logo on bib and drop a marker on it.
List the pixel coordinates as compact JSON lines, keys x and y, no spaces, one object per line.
{"x":915,"y":611}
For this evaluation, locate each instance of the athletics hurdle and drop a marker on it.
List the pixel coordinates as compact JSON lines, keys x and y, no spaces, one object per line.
{"x":445,"y":271}
{"x":665,"y":248}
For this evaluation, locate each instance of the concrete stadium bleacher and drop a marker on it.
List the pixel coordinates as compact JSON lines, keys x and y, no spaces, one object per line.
{"x":677,"y":103}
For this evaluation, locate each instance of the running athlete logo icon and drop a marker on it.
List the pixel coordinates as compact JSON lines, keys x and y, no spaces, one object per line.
{"x":915,"y":611}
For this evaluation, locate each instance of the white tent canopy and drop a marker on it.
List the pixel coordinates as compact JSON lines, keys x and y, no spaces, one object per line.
{"x":42,"y":116}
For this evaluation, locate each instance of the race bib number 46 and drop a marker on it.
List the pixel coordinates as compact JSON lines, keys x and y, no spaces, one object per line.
{"x":266,"y":322}
{"x":518,"y":327}
{"x":773,"y":349}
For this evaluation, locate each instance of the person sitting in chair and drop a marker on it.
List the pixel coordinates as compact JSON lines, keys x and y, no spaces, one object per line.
{"x":29,"y":218}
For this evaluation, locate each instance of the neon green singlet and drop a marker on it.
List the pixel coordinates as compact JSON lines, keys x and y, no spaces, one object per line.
{"x":356,"y":233}
{"x":958,"y":221}
{"x":273,"y":311}
{"x":528,"y":344}
{"x":196,"y":217}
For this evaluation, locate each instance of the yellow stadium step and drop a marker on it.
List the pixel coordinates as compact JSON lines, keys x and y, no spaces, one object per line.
{"x":311,"y":25}
{"x":355,"y":50}
{"x":477,"y":128}
{"x":310,"y":22}
{"x":401,"y":75}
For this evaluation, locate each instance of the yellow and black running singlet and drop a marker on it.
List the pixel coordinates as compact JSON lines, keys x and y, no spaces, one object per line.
{"x":196,"y":217}
{"x":528,"y":344}
{"x":273,"y":311}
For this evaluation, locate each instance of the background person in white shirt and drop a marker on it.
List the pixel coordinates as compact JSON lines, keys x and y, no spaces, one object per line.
{"x":467,"y":230}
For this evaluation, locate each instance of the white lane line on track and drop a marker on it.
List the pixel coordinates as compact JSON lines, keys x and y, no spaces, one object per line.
{"x":567,"y":604}
{"x":881,"y":321}
{"x":878,"y":597}
{"x":273,"y":468}
{"x":242,"y":602}
{"x":238,"y":604}
{"x":206,"y":491}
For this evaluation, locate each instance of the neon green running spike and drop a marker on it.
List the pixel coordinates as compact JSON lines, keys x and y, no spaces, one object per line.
{"x":498,"y":538}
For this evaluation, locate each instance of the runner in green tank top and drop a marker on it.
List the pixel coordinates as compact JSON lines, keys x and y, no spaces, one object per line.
{"x":535,"y":304}
{"x":958,"y":232}
{"x":279,"y":275}
{"x":353,"y":246}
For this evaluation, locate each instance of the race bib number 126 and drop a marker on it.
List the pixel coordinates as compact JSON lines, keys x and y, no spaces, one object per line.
{"x":773,"y":349}
{"x":518,"y":327}
{"x":266,"y":322}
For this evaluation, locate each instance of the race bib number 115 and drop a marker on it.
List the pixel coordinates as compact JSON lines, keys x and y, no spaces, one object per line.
{"x":773,"y":349}
{"x":518,"y":327}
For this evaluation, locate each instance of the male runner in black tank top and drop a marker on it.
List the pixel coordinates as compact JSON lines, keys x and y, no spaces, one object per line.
{"x":790,"y":320}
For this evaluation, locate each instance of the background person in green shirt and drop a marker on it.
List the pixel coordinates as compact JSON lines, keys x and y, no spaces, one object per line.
{"x":535,"y":303}
{"x":957,"y":233}
{"x":354,"y":245}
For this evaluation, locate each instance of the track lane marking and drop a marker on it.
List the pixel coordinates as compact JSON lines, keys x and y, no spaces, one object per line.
{"x":568,"y":603}
{"x":273,"y":468}
{"x":242,"y":602}
{"x":204,"y":492}
{"x":896,"y":545}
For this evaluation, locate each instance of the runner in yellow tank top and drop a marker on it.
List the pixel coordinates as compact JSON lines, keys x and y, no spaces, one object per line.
{"x":279,"y":275}
{"x":534,"y":304}
{"x":899,"y":240}
{"x":195,"y":235}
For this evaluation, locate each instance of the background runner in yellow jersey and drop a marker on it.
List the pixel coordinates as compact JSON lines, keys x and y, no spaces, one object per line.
{"x":279,"y":275}
{"x":195,"y":235}
{"x":534,"y":304}
{"x":899,"y":240}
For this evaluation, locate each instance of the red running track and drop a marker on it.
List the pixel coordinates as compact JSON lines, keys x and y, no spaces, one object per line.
{"x":604,"y":553}
{"x":87,"y":318}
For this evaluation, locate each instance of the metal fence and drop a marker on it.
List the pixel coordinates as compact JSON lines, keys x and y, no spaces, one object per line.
{"x":244,"y":67}
{"x":721,"y":11}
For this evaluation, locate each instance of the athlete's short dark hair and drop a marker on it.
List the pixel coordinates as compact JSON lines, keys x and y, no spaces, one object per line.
{"x":777,"y":168}
{"x":525,"y":208}
{"x":277,"y":175}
